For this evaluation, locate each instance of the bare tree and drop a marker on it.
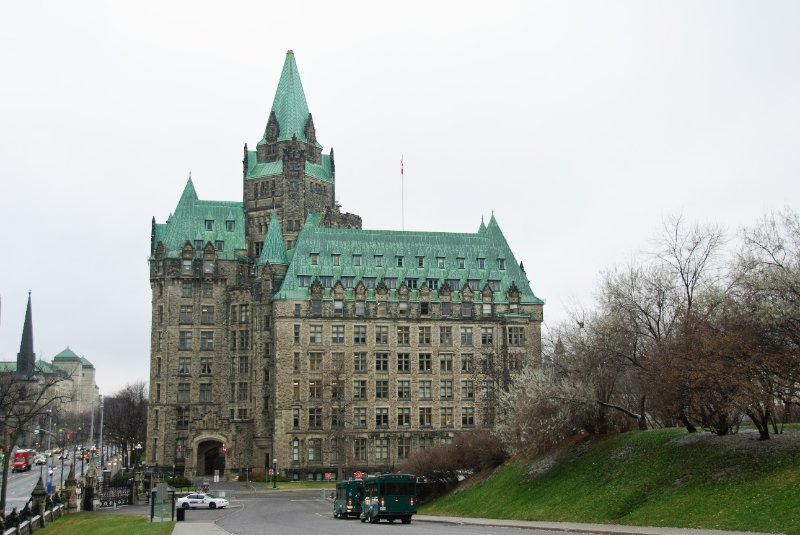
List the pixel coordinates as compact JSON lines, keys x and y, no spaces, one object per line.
{"x":125,"y":417}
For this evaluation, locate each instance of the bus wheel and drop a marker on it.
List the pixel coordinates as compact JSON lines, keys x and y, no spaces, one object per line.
{"x":363,"y":518}
{"x":373,"y":519}
{"x":391,"y":520}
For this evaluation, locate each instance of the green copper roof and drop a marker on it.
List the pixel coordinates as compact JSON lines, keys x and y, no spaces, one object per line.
{"x":322,"y":172}
{"x":289,"y":104}
{"x":86,"y":364}
{"x":274,"y":251}
{"x":262,"y":170}
{"x":188,"y":223}
{"x":319,"y":244}
{"x":66,"y":356}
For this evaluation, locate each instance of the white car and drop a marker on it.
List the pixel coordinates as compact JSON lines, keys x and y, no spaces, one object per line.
{"x":40,"y":459}
{"x":193,"y":501}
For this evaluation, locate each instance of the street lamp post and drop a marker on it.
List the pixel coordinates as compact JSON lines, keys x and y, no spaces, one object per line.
{"x":274,"y":473}
{"x":102,"y":459}
{"x":49,"y":427}
{"x":138,"y":449}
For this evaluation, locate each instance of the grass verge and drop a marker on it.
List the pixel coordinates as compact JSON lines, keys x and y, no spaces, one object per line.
{"x":654,"y":478}
{"x":104,"y":524}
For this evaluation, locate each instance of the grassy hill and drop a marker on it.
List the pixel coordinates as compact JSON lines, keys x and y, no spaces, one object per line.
{"x":653,"y":478}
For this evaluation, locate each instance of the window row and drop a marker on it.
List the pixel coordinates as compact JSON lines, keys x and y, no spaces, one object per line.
{"x":239,"y":391}
{"x":359,"y":449}
{"x":401,"y":261}
{"x":402,"y":335}
{"x":392,"y":283}
{"x":240,"y":364}
{"x":188,"y":289}
{"x":402,"y":390}
{"x":423,"y":417}
{"x":363,"y":362}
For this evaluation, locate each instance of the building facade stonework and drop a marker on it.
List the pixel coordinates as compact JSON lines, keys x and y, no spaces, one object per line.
{"x":284,"y":335}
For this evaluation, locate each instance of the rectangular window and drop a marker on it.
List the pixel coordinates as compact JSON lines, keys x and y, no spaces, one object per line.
{"x":207,"y":315}
{"x":359,"y":334}
{"x":403,"y":335}
{"x":411,"y":283}
{"x":244,"y":313}
{"x":424,"y":308}
{"x":474,"y":284}
{"x":338,"y":308}
{"x":487,"y":336}
{"x":315,"y":334}
{"x":382,"y":447}
{"x":399,"y":260}
{"x":244,"y":364}
{"x":209,"y":224}
{"x":425,"y":416}
{"x":446,"y":362}
{"x":182,"y":417}
{"x":425,"y":390}
{"x":467,"y":416}
{"x":183,"y":392}
{"x":315,"y":418}
{"x":460,"y":262}
{"x":516,"y":336}
{"x":360,"y":390}
{"x":378,"y":260}
{"x":381,"y":362}
{"x":335,"y":259}
{"x":206,"y":340}
{"x":403,"y":447}
{"x":296,"y":334}
{"x":297,"y":310}
{"x":433,"y":284}
{"x":466,"y":310}
{"x":185,"y":317}
{"x":361,"y":308}
{"x":315,"y":362}
{"x":446,"y":309}
{"x":184,"y":365}
{"x":404,"y":362}
{"x":241,"y":414}
{"x":466,"y":336}
{"x":356,"y":260}
{"x":420,"y":261}
{"x":446,"y":416}
{"x":304,"y":281}
{"x":244,"y":392}
{"x":206,"y":365}
{"x":229,"y":225}
{"x":404,"y":389}
{"x":481,"y":263}
{"x":424,"y":336}
{"x":446,"y":336}
{"x":404,"y":417}
{"x":360,"y":447}
{"x":382,"y":417}
{"x":314,"y":450}
{"x":359,"y":362}
{"x":185,"y":340}
{"x":206,"y":393}
{"x":316,"y":307}
{"x":219,"y":245}
{"x":501,"y":263}
{"x":187,"y":289}
{"x":381,"y":334}
{"x":315,"y":389}
{"x":467,"y":390}
{"x":466,"y":362}
{"x":360,"y":420}
{"x":486,"y":310}
{"x":402,"y":308}
{"x":296,"y":363}
{"x":381,"y":389}
{"x":425,"y":363}
{"x":337,"y":334}
{"x":337,"y":418}
{"x":446,"y":389}
{"x":186,"y":269}
{"x":314,"y":259}
{"x":440,"y":262}
{"x":295,"y":417}
{"x":244,"y":339}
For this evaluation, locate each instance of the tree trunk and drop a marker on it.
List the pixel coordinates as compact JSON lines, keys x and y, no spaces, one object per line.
{"x":687,"y":423}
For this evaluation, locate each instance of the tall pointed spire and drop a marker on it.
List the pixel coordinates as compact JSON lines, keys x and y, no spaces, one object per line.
{"x":26,"y":358}
{"x":189,"y":195}
{"x":289,"y":106}
{"x":274,"y":251}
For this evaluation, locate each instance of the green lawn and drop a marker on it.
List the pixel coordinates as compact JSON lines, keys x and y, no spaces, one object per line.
{"x":105,"y":524}
{"x":302,"y":485}
{"x":656,"y":478}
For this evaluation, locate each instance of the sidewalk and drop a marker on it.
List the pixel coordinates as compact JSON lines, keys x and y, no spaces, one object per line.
{"x":198,"y":528}
{"x":605,"y":529}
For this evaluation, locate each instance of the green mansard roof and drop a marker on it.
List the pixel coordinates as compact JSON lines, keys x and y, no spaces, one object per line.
{"x":289,"y":104}
{"x":66,"y":356}
{"x":488,"y":244}
{"x":188,"y":223}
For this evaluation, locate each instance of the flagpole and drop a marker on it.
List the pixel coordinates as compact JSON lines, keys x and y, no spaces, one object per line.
{"x":402,"y":196}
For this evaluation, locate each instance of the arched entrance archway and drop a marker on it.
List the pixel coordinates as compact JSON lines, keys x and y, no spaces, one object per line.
{"x":210,"y":458}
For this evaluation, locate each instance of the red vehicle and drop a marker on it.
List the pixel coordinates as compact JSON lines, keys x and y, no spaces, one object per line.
{"x":22,"y":460}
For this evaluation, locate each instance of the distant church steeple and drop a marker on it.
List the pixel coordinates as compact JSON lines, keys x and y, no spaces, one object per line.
{"x":26,"y":358}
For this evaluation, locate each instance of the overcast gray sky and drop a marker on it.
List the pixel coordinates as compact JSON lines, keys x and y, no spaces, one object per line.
{"x":581,"y":124}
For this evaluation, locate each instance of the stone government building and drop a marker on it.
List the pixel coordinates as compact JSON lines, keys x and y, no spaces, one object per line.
{"x":284,"y":334}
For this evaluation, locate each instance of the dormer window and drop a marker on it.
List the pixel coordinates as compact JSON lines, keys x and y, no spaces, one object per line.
{"x":501,"y":263}
{"x":229,"y":225}
{"x":209,"y":224}
{"x":460,"y":261}
{"x":220,"y":245}
{"x":198,"y":245}
{"x":356,"y":259}
{"x":440,"y":262}
{"x":420,"y":261}
{"x":314,"y":259}
{"x":481,"y":263}
{"x":378,"y":260}
{"x":335,"y":259}
{"x":399,"y":261}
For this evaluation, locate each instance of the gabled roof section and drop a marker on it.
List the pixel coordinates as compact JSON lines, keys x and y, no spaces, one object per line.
{"x":66,"y":356}
{"x":289,"y":104}
{"x":274,"y":250}
{"x":188,"y":223}
{"x":262,"y":170}
{"x":313,"y":257}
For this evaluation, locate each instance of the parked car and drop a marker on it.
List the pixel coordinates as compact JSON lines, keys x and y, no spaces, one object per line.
{"x":193,"y":501}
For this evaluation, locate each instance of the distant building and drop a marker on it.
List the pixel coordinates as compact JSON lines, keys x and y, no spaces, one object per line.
{"x":282,"y":332}
{"x":75,"y":377}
